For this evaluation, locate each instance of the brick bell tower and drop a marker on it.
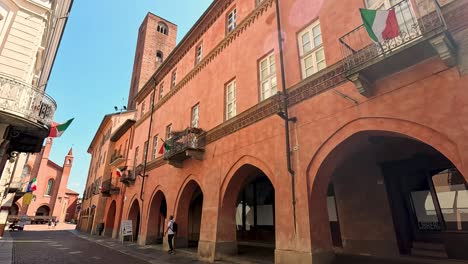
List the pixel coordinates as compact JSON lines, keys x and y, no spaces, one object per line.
{"x":156,"y":39}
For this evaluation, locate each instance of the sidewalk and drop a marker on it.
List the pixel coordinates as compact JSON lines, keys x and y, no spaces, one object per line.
{"x":152,"y":254}
{"x":6,"y":248}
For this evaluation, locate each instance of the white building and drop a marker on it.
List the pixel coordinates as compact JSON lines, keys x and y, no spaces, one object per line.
{"x":30,"y":34}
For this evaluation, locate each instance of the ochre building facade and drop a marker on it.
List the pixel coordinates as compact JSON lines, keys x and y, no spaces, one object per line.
{"x":320,"y":146}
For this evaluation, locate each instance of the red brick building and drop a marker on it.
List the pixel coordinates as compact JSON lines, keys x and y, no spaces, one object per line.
{"x":51,"y":198}
{"x":363,"y":152}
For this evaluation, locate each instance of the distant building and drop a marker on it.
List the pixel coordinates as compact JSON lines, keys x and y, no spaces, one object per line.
{"x":30,"y":34}
{"x":51,"y":198}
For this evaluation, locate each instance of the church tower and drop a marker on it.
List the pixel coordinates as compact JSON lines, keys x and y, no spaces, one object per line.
{"x":156,"y":39}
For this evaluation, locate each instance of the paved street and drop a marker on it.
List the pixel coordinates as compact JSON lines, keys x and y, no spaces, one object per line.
{"x":40,"y":244}
{"x":62,"y":247}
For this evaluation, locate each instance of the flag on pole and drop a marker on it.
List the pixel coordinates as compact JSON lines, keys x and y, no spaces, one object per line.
{"x":32,"y":186}
{"x":164,"y":147}
{"x":381,"y":25}
{"x":56,"y":130}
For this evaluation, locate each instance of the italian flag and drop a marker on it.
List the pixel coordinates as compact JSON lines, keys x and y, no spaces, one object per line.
{"x":118,"y":172}
{"x":56,"y":130}
{"x":165,"y":147}
{"x":380,"y":24}
{"x":32,"y":186}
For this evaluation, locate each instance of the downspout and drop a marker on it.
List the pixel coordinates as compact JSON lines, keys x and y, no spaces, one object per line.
{"x":285,"y":115}
{"x":147,"y":147}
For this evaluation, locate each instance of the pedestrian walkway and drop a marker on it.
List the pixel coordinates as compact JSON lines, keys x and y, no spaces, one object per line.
{"x":6,"y":248}
{"x":152,"y":254}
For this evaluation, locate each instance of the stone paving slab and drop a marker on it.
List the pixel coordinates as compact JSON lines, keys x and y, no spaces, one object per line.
{"x":150,"y":254}
{"x":6,"y":248}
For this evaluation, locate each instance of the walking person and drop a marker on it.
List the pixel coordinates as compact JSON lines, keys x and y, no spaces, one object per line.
{"x":171,"y":231}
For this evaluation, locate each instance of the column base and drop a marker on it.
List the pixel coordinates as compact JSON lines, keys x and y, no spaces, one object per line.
{"x":211,"y":251}
{"x":290,"y":256}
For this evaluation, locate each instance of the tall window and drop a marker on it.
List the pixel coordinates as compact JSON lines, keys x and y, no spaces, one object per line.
{"x":161,"y":90}
{"x":136,"y":156}
{"x":195,"y":115}
{"x":173,"y":78}
{"x":268,"y":85}
{"x":231,"y":20}
{"x":403,"y":11}
{"x":311,"y":50}
{"x":162,"y":28}
{"x":50,"y":184}
{"x":168,"y":131}
{"x":231,"y":100}
{"x":143,"y":106}
{"x":159,"y":56}
{"x":155,"y":147}
{"x":145,"y":150}
{"x":199,"y":54}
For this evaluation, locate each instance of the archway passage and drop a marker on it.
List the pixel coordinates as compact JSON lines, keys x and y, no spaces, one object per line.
{"x":157,"y":219}
{"x":14,"y":209}
{"x":189,"y":215}
{"x":248,"y":214}
{"x":43,"y":211}
{"x":134,"y":215}
{"x":110,"y":220}
{"x":389,"y":195}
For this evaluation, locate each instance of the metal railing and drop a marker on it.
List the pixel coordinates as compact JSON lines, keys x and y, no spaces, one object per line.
{"x":188,"y":139}
{"x":106,"y":186}
{"x":416,"y":19}
{"x":22,"y":100}
{"x":128,"y":177}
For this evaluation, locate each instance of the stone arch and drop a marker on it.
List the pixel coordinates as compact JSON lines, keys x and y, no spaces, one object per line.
{"x":189,"y":192}
{"x":15,"y":209}
{"x":134,"y":214}
{"x":247,"y":159}
{"x":244,"y":171}
{"x":317,"y":186}
{"x":43,"y":210}
{"x":157,"y":214}
{"x":110,"y":219}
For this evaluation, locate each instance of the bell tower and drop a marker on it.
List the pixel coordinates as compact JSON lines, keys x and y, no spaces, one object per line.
{"x":156,"y":39}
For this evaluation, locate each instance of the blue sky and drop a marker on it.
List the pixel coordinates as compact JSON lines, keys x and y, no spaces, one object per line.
{"x":94,"y":63}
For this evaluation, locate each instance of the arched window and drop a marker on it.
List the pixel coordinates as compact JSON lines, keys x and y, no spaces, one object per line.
{"x":50,"y":183}
{"x":159,"y":56}
{"x":162,"y":28}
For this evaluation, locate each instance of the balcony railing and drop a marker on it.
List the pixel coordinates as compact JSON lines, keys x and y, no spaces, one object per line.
{"x":22,"y":100}
{"x":185,"y":144}
{"x":116,"y":159}
{"x":417,"y":20}
{"x":128,"y":177}
{"x":107,"y":188}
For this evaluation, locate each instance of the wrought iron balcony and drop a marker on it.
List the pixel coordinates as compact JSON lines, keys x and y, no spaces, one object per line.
{"x":183,"y":145}
{"x":107,"y":188}
{"x":422,"y":34}
{"x":21,"y":100}
{"x":128,"y":177}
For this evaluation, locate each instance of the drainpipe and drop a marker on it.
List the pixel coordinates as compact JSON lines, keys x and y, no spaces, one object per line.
{"x":285,"y":115}
{"x":147,"y":147}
